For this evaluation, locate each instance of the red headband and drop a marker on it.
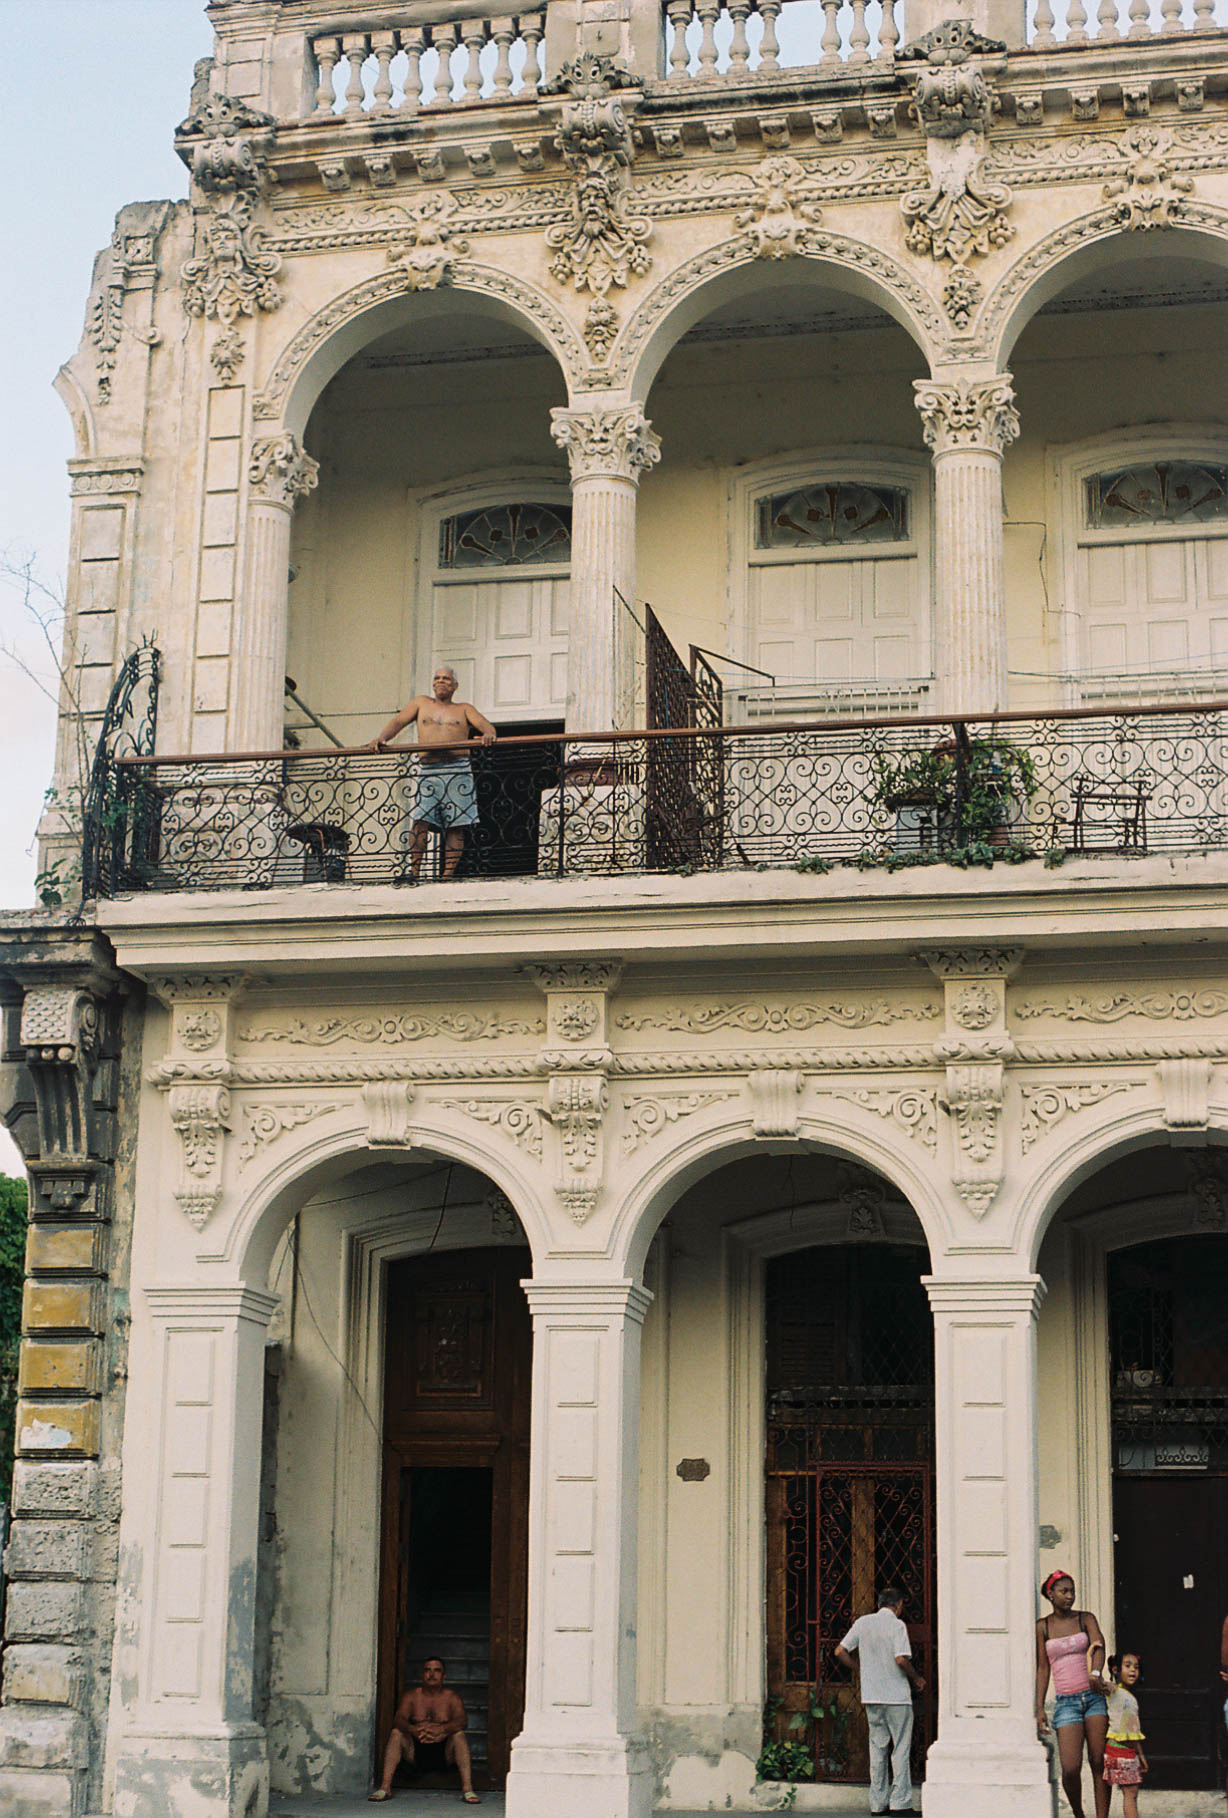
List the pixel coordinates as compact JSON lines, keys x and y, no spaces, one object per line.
{"x":1051,"y":1580}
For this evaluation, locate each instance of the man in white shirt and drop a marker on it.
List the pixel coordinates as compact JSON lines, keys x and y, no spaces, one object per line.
{"x":884,"y":1654}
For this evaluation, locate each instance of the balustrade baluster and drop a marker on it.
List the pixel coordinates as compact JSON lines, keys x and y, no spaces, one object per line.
{"x":859,"y":37}
{"x":679,"y":12}
{"x":531,"y":30}
{"x":769,"y":46}
{"x":831,"y":32}
{"x":445,"y":39}
{"x":1043,"y":38}
{"x":384,"y":44}
{"x":357,"y":48}
{"x":1076,"y":23}
{"x":709,"y":12}
{"x":474,"y":40}
{"x":1140,"y":19}
{"x":1106,"y":22}
{"x":1204,"y":16}
{"x":739,"y":48}
{"x":328,"y":56}
{"x":1170,"y":15}
{"x":413,"y":43}
{"x":889,"y":32}
{"x":503,"y":31}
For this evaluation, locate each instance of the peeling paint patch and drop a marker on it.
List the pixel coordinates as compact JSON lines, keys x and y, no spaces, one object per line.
{"x":44,"y":1436}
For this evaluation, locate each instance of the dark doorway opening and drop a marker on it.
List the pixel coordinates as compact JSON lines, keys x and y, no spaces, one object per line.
{"x":1168,"y":1332}
{"x":458,"y":1354}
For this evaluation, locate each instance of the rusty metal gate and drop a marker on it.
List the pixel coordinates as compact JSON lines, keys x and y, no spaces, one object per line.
{"x":850,"y":1486}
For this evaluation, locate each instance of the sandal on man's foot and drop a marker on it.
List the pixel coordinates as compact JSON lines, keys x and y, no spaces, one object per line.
{"x":471,"y":1798}
{"x":378,"y":1796}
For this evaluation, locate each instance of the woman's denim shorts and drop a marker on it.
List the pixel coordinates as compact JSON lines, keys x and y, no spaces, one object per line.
{"x":1073,"y":1707}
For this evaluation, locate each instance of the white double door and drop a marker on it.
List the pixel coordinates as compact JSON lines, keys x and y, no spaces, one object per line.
{"x":839,"y":620}
{"x":506,"y":637}
{"x":1155,"y":606}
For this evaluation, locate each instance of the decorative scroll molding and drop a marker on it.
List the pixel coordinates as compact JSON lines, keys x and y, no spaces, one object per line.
{"x":1113,"y":1007}
{"x":513,"y":1117}
{"x":427,"y":250}
{"x":1151,"y":193}
{"x":456,"y":1025}
{"x":967,"y":413}
{"x":265,"y":1123}
{"x":774,"y":1095}
{"x":914,"y":1110}
{"x":780,"y":1019}
{"x":388,"y":1104}
{"x":777,"y":220}
{"x":606,"y":444}
{"x":200,"y":1115}
{"x":576,"y":1107}
{"x":280,"y":471}
{"x":974,"y":1099}
{"x":647,"y":1117}
{"x":1045,"y":1106}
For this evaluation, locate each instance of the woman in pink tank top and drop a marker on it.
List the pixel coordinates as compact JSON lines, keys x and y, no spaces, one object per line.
{"x":1070,"y":1651}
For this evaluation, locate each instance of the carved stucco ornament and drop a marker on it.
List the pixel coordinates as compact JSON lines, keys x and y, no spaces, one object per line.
{"x":200,"y":1115}
{"x":1151,"y":192}
{"x":576,"y":1107}
{"x":967,"y":413}
{"x":225,"y":144}
{"x":604,"y":443}
{"x":280,"y":471}
{"x":777,"y":220}
{"x":131,"y":263}
{"x":427,"y":250}
{"x":962,"y":214}
{"x":602,"y":244}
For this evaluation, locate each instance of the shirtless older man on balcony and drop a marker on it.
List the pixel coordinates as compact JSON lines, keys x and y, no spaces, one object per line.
{"x":428,"y":1731}
{"x":445,"y":799}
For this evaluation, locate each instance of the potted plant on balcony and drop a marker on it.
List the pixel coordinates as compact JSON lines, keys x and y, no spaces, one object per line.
{"x":969,"y":796}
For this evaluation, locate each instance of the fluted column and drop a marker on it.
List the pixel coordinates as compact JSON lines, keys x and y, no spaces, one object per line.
{"x":969,"y":423}
{"x":279,"y":474}
{"x":608,"y":450}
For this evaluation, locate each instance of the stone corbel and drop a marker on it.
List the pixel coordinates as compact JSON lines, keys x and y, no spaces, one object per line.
{"x":200,"y":1115}
{"x":59,"y":1032}
{"x":774,"y":1095}
{"x":974,"y":1047}
{"x":576,"y":1107}
{"x":1186,"y":1085}
{"x":388,"y":1104}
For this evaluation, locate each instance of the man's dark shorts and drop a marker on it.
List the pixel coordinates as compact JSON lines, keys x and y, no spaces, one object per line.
{"x":431,"y":1758}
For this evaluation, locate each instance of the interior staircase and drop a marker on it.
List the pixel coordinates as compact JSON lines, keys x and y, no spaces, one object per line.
{"x":457,"y":1628}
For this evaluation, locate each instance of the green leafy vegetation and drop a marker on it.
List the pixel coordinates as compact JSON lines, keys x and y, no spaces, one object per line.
{"x":12,"y":1268}
{"x":997,"y":777}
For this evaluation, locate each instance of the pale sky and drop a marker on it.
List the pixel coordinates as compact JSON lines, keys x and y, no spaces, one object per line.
{"x":85,"y":126}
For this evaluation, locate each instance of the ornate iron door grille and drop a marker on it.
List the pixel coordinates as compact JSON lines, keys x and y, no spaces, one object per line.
{"x":850,"y":1486}
{"x":684,"y":778}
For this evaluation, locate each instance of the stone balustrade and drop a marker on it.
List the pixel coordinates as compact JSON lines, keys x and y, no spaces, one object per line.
{"x":1069,"y":23}
{"x":706,"y":39}
{"x":368,"y":73}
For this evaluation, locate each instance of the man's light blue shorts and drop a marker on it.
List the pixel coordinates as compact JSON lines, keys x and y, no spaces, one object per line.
{"x":446,"y":796}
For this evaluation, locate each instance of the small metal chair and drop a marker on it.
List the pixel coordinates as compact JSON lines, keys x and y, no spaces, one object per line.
{"x":1125,"y":806}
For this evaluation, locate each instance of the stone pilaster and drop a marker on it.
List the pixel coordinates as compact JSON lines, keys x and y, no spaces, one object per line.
{"x":59,"y":1093}
{"x":987,"y":1757}
{"x":577,"y":1751}
{"x":969,"y":424}
{"x":279,"y":474}
{"x":608,"y":450}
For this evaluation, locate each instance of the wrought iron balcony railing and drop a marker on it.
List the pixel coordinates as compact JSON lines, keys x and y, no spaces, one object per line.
{"x":1127,"y":782}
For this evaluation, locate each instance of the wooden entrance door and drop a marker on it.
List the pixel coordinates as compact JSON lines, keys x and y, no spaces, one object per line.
{"x":458,"y":1354}
{"x":1172,"y":1593}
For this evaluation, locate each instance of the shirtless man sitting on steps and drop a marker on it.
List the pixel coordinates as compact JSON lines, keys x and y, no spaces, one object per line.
{"x":428,"y":1731}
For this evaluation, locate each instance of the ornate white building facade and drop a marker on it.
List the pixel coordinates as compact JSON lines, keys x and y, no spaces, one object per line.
{"x":890,"y":366}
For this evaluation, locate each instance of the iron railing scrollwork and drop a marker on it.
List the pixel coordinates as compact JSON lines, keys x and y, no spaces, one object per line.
{"x":118,"y":838}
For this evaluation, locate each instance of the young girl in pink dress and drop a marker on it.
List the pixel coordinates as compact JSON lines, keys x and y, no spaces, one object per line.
{"x":1124,"y":1760}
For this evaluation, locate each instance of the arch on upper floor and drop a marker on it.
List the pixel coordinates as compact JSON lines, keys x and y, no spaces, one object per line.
{"x":75,"y":399}
{"x":342,"y":327}
{"x":338,"y":1140}
{"x":848,"y":1133}
{"x":732,"y":270}
{"x":1076,"y":250}
{"x":1108,"y":1136}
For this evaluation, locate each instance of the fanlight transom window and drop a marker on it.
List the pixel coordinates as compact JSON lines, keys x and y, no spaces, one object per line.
{"x":832,"y":514}
{"x":1155,"y":493}
{"x":507,"y":536}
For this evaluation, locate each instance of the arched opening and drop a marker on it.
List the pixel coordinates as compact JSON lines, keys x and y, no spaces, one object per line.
{"x":1116,"y":494}
{"x":1133,"y":1362}
{"x":787,"y":1467}
{"x":792,"y":452}
{"x":395,"y":1470}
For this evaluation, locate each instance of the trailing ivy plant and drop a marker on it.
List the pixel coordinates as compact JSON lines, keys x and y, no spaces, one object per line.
{"x":996,"y":774}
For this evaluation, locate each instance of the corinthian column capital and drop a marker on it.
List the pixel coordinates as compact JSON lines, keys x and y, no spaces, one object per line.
{"x":606,"y":444}
{"x":968,"y":413}
{"x":281,"y":472}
